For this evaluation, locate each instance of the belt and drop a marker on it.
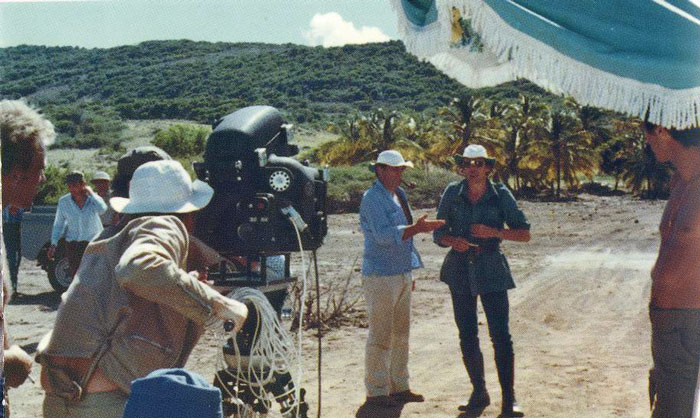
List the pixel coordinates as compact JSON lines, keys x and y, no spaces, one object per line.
{"x":63,"y":376}
{"x":475,"y":251}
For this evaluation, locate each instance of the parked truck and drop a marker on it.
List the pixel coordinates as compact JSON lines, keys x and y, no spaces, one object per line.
{"x":36,"y":239}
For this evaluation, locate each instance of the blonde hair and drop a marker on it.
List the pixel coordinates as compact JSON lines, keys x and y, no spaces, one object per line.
{"x":23,"y":131}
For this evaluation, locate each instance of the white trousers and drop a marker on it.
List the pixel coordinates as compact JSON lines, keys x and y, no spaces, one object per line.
{"x":389,"y":316}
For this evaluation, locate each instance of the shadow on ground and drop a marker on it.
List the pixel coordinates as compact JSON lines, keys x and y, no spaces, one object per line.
{"x":376,"y":411}
{"x":472,"y":413}
{"x":49,"y":299}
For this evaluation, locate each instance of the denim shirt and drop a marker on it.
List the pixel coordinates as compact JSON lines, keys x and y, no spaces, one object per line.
{"x":488,"y":271}
{"x":383,"y":222}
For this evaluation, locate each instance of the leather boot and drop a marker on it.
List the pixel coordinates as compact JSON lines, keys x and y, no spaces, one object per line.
{"x":475,"y":368}
{"x":505,"y":365}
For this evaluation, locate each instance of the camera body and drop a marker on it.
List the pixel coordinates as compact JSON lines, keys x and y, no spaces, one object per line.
{"x":258,"y":188}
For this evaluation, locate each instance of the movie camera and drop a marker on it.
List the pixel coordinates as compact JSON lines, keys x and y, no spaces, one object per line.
{"x":259,"y":188}
{"x":265,"y":204}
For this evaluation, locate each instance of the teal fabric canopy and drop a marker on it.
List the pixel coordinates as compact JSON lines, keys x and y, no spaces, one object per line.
{"x":631,"y":56}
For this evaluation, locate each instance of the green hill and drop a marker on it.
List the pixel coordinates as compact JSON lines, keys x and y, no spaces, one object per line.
{"x":201,"y":81}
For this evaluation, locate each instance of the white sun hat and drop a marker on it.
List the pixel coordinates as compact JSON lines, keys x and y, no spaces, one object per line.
{"x":163,"y":187}
{"x":101,"y":175}
{"x":392,"y":158}
{"x":473,"y":151}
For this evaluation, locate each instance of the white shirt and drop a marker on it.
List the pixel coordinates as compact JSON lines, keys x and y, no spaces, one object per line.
{"x":78,"y":224}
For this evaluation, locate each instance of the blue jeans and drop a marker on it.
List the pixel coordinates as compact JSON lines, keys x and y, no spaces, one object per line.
{"x":496,"y":308}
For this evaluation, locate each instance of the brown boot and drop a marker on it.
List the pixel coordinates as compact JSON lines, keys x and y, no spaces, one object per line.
{"x":407,"y":396}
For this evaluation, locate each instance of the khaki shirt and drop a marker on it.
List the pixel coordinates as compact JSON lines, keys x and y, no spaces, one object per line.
{"x":133,"y":295}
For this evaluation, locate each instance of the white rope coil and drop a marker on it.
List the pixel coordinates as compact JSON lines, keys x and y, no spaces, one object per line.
{"x":272,"y":351}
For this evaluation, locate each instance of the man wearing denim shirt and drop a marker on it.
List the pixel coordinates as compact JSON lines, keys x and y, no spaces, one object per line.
{"x":77,"y":218}
{"x":389,"y":258}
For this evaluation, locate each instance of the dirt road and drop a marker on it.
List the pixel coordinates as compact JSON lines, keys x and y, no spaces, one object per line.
{"x":578,"y":319}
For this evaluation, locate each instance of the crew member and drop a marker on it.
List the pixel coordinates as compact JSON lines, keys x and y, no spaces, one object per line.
{"x":476,"y":210}
{"x":77,"y":219}
{"x":389,"y":257}
{"x":132,"y":307}
{"x":674,"y":309}
{"x":101,"y":181}
{"x":24,"y":136}
{"x":12,"y":234}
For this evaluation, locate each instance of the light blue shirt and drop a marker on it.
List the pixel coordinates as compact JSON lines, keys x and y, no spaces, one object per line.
{"x":76,"y":224}
{"x":383,"y":222}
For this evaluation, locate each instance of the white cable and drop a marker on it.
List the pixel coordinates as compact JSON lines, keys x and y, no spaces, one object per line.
{"x":301,"y":312}
{"x":272,"y":350}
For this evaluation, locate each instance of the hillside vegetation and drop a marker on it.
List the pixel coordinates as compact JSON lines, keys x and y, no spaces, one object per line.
{"x":348,"y":103}
{"x":201,"y":81}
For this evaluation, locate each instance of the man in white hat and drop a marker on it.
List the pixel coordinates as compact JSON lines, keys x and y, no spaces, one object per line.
{"x":101,"y":180}
{"x":389,"y":257}
{"x":132,"y":307}
{"x":479,"y":215}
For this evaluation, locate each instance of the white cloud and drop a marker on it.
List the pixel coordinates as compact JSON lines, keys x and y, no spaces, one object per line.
{"x":330,"y":29}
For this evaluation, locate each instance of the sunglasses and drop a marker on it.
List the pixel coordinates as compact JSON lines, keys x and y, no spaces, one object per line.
{"x":473,"y":163}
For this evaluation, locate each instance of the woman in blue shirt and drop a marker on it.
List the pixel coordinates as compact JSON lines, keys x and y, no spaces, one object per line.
{"x":476,"y":210}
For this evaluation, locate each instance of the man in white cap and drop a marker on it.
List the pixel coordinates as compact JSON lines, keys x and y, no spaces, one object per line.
{"x":132,"y":307}
{"x":77,"y":219}
{"x":389,"y":258}
{"x":101,"y":180}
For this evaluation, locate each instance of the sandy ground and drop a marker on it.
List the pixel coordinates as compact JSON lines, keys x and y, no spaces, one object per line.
{"x":578,"y":319}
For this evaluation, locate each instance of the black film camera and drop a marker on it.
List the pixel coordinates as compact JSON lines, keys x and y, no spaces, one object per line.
{"x":259,"y":188}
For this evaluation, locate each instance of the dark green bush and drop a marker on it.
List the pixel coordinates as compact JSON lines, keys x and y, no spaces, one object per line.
{"x":182,"y":140}
{"x":53,"y":188}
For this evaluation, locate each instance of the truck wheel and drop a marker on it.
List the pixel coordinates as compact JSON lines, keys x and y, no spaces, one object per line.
{"x":59,"y":274}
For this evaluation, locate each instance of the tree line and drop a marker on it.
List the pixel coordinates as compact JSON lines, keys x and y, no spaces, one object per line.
{"x":540,"y":147}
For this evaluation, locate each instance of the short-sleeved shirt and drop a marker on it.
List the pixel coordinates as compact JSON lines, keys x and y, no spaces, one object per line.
{"x":489,"y":271}
{"x":383,"y":222}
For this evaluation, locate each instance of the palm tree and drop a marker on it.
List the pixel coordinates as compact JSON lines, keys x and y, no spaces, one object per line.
{"x":642,"y":173}
{"x":616,"y":152}
{"x":562,"y":150}
{"x":352,"y":146}
{"x":465,"y":117}
{"x":362,"y":138}
{"x":518,"y":122}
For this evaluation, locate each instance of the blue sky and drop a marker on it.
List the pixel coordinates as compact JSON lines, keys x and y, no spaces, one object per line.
{"x":108,"y":23}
